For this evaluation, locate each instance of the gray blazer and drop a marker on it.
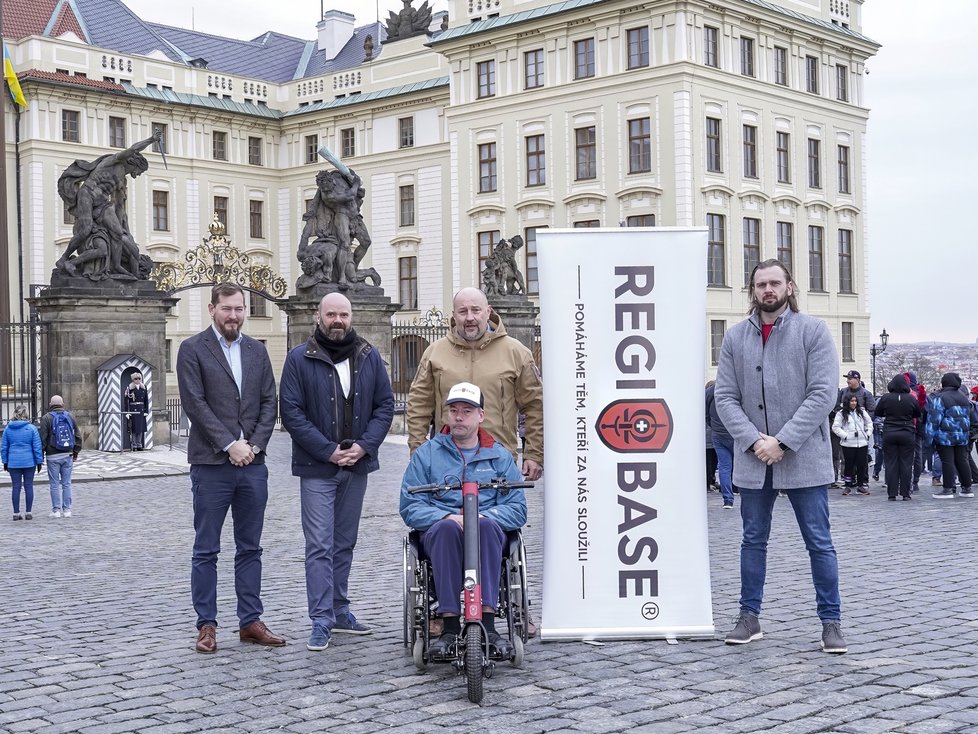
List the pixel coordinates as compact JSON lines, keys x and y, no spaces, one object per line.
{"x":218,"y":415}
{"x":785,"y":389}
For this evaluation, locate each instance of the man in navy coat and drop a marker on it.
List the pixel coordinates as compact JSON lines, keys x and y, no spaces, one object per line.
{"x":227,"y":391}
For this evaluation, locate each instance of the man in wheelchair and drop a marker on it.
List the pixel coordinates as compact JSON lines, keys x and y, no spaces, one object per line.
{"x":462,"y":451}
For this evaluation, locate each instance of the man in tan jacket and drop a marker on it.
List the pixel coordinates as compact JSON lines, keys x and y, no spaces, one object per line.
{"x":478,"y":350}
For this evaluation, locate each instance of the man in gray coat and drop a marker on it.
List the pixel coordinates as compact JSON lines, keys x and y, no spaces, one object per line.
{"x":228,"y":392}
{"x":776,"y":382}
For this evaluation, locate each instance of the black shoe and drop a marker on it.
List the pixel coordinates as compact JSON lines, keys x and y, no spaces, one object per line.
{"x":906,"y":497}
{"x":440,"y":648}
{"x":504,"y":648}
{"x":891,"y":499}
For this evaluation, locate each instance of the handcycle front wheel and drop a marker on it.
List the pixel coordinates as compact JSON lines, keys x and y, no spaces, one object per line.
{"x":418,"y":653}
{"x":473,"y":662}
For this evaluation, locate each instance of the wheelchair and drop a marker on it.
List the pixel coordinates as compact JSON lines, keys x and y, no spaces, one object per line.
{"x":420,"y":603}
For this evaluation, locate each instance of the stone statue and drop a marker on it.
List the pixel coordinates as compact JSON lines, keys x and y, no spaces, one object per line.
{"x":101,"y":245}
{"x":409,"y":22}
{"x":332,"y":223}
{"x":501,"y":275}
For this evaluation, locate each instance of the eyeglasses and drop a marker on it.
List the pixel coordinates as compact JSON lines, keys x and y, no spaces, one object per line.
{"x":137,"y":379}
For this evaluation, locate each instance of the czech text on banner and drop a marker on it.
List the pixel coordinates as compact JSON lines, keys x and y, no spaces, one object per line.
{"x":623,"y":315}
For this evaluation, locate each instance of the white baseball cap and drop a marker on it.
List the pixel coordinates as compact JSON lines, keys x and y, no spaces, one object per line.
{"x":465,"y":392}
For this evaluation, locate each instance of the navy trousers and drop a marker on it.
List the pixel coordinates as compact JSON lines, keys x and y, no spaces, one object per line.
{"x":443,"y":544}
{"x":243,"y":490}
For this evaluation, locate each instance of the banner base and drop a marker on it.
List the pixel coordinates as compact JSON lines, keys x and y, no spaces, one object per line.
{"x":705,"y":632}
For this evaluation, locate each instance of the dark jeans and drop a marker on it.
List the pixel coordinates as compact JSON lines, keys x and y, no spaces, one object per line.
{"x":836,"y":451}
{"x":216,"y":489}
{"x":954,"y":459}
{"x":898,"y":447}
{"x":918,"y":457}
{"x":443,"y":544}
{"x":857,"y":464}
{"x":23,"y":477}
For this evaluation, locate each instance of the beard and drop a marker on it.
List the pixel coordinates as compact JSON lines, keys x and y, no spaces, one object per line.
{"x":337,"y":333}
{"x":471,"y":333}
{"x":773,"y":306}
{"x":230,"y":332}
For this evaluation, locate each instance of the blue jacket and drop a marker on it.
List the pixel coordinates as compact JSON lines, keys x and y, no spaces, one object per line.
{"x":20,"y":446}
{"x":438,"y":460}
{"x":948,"y":418}
{"x":311,"y":404}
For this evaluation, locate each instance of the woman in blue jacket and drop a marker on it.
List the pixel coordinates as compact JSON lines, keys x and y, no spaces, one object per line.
{"x":22,"y":456}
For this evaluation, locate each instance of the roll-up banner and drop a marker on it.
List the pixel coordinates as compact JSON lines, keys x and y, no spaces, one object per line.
{"x":623,"y":324}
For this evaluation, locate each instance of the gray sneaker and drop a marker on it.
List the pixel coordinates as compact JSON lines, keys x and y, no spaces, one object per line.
{"x":746,"y":629}
{"x":832,"y":639}
{"x":966,"y":492}
{"x":944,"y":494}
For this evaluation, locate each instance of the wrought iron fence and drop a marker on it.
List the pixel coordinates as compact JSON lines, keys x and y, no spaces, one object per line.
{"x":25,"y":368}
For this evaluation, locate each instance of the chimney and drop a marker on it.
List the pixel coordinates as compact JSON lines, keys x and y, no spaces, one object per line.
{"x":335,"y":29}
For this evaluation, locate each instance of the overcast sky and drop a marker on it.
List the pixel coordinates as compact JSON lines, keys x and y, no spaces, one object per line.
{"x":922,"y":91}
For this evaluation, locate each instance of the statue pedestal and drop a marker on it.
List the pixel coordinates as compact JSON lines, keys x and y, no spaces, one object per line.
{"x":371,"y":318}
{"x":519,"y":316}
{"x":91,"y":324}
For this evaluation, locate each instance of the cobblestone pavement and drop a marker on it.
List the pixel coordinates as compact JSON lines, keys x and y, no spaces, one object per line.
{"x":99,"y":632}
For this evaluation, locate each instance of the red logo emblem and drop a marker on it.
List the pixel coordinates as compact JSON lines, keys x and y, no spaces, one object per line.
{"x":635,"y":425}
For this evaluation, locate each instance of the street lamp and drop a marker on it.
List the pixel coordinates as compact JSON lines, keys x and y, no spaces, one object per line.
{"x":878,"y":349}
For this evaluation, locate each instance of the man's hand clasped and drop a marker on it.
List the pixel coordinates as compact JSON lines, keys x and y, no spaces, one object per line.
{"x":532,"y":470}
{"x":241,"y":453}
{"x":768,"y":449}
{"x":349,"y":456}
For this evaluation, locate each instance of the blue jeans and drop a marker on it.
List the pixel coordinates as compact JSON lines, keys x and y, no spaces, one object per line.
{"x":59,"y":475}
{"x":330,"y":522}
{"x":23,"y":477}
{"x":724,"y":448}
{"x":216,"y":489}
{"x":811,"y":506}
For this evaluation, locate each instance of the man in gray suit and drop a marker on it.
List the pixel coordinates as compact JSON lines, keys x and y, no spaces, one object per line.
{"x":228,"y":392}
{"x":776,"y":382}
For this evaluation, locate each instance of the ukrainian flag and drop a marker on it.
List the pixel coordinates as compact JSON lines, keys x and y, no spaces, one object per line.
{"x":11,"y":76}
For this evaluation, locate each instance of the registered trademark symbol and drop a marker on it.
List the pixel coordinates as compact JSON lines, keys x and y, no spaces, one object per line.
{"x":650,"y":610}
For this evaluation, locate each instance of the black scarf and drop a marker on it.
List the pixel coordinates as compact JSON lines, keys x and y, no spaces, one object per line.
{"x":337,"y":350}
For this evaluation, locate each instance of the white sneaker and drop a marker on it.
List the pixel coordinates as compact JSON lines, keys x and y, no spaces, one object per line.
{"x":66,"y":513}
{"x":55,"y":513}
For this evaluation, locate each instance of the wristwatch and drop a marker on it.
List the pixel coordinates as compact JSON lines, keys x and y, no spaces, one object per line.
{"x":255,"y":449}
{"x":782,"y":446}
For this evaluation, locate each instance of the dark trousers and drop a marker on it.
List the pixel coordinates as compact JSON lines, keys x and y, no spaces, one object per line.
{"x":216,"y":489}
{"x":898,"y":459}
{"x":918,"y":457}
{"x":955,"y":461}
{"x":711,"y":466}
{"x":857,"y":464}
{"x":836,"y":451}
{"x":971,"y":462}
{"x":443,"y":544}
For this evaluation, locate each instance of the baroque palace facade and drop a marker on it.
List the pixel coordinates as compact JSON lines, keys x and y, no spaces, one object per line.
{"x":744,"y":116}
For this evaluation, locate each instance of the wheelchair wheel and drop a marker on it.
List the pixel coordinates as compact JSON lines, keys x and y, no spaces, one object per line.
{"x":518,"y":648}
{"x":409,"y":563}
{"x":519,"y":605}
{"x":473,"y":662}
{"x":418,"y":653}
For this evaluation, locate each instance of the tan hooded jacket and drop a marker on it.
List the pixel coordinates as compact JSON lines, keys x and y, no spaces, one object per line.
{"x":502,"y":368}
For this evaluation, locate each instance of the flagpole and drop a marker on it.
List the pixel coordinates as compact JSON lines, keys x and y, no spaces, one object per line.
{"x":4,"y":239}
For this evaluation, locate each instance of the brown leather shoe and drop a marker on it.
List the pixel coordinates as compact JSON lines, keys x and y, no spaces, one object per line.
{"x":258,"y":633}
{"x":207,"y":639}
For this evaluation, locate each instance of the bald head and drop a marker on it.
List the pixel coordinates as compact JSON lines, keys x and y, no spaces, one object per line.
{"x":471,"y":311}
{"x":335,"y":316}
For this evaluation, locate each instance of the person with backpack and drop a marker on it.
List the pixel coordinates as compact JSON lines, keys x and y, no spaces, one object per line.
{"x":22,"y":456}
{"x":62,"y":442}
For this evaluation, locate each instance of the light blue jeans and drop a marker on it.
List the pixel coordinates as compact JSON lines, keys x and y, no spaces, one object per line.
{"x":59,"y":474}
{"x":811,"y":506}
